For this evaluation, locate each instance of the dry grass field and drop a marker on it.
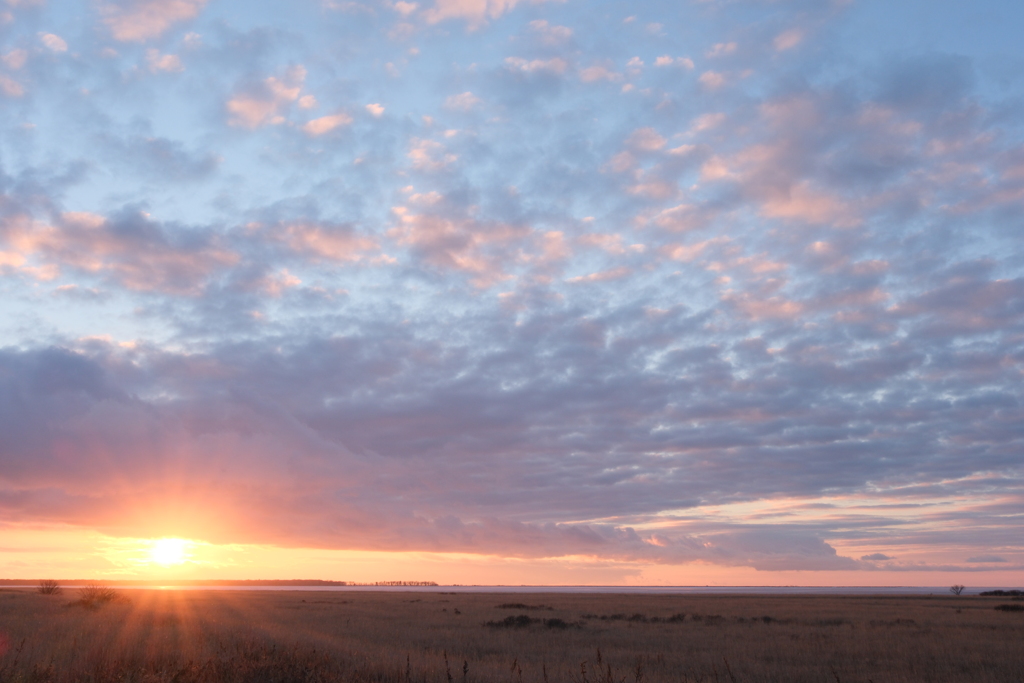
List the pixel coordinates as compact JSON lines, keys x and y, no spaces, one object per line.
{"x":439,"y":637}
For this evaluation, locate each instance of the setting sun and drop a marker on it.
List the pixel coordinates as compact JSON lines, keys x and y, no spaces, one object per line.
{"x":168,"y":551}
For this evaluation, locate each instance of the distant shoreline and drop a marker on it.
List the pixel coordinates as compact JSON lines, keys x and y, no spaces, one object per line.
{"x":221,"y":582}
{"x":422,"y":586}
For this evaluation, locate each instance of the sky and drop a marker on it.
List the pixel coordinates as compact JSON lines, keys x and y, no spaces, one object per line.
{"x":688,"y":292}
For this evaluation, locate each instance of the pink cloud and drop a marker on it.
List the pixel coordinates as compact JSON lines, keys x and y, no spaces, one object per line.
{"x":140,"y":20}
{"x":462,"y":102}
{"x":53,"y":42}
{"x":804,"y":203}
{"x":654,"y":188}
{"x":602,"y":276}
{"x":15,"y":59}
{"x":276,"y":284}
{"x":11,"y":258}
{"x":163,"y":62}
{"x":712,"y":80}
{"x":429,"y":155}
{"x":11,"y":87}
{"x":668,"y":60}
{"x":136,"y":253}
{"x":599,"y":72}
{"x":621,"y":162}
{"x":609,"y":243}
{"x":325,"y":124}
{"x":261,"y":104}
{"x":684,"y":217}
{"x":715,"y":168}
{"x":323,"y":241}
{"x":721,"y":50}
{"x":550,"y":34}
{"x":550,"y":251}
{"x":459,"y":244}
{"x":645,"y":140}
{"x":707,"y":122}
{"x":689,"y":252}
{"x":474,"y":12}
{"x":788,"y":39}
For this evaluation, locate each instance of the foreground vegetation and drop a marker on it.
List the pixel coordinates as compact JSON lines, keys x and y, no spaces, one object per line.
{"x":438,"y":637}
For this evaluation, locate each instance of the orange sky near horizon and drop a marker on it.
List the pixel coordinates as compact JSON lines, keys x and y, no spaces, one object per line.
{"x":32,"y":552}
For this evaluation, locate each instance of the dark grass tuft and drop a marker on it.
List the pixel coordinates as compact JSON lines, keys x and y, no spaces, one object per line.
{"x":707,"y":618}
{"x":559,"y":624}
{"x":95,"y":596}
{"x":524,"y":621}
{"x":518,"y":621}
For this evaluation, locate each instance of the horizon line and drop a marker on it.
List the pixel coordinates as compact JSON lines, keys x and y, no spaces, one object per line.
{"x":312,"y":583}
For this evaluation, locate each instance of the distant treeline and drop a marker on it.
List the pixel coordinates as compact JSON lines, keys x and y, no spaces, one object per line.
{"x":396,"y":583}
{"x":214,"y":582}
{"x":1003,"y":593}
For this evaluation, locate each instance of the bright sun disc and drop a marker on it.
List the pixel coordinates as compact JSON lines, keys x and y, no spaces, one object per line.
{"x":168,"y":551}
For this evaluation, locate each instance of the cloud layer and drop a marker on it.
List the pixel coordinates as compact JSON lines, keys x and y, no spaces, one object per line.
{"x":714,"y":284}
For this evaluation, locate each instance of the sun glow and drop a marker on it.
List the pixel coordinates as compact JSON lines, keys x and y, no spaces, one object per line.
{"x":168,"y":551}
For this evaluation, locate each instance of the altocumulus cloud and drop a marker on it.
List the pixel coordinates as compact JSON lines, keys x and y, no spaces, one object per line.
{"x":567,"y":287}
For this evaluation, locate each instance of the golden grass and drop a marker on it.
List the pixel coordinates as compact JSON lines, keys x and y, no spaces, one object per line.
{"x":421,"y":637}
